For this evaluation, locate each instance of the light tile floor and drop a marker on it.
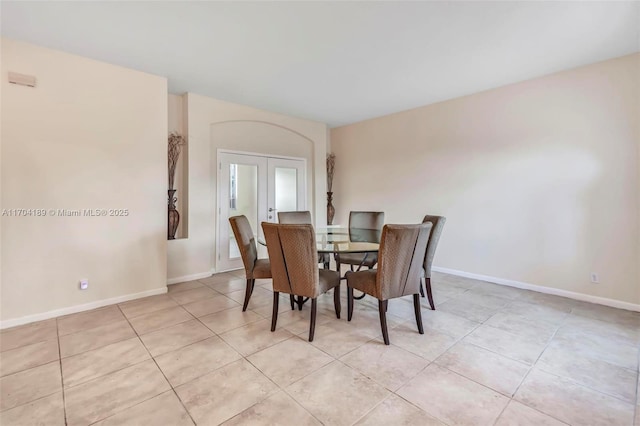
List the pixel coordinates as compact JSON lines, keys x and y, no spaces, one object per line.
{"x":490,"y":355}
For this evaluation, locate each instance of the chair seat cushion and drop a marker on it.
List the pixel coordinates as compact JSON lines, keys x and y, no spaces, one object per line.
{"x":356,"y":258}
{"x":262,"y":269}
{"x":364,"y":281}
{"x":328,"y":280}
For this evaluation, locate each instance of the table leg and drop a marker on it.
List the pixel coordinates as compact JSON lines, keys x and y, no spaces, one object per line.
{"x":364,"y":259}
{"x":337,"y":257}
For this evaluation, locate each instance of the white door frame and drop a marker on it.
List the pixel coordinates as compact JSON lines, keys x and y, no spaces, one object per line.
{"x":262,"y":215}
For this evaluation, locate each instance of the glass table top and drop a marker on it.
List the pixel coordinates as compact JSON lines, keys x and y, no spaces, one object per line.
{"x":344,"y":240}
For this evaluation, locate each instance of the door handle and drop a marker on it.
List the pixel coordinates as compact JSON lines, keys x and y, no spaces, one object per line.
{"x":272,"y":209}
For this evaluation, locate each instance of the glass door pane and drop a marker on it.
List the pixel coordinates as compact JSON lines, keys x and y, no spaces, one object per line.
{"x":286,"y":189}
{"x":243,"y":199}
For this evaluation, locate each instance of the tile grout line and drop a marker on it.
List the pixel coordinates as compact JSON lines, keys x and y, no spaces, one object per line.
{"x":98,"y":347}
{"x":32,"y":401}
{"x":197,"y":300}
{"x":390,"y":392}
{"x":497,"y":353}
{"x":502,"y":309}
{"x":511,"y":397}
{"x":116,"y":371}
{"x":531,"y":367}
{"x":282,"y":389}
{"x":161,"y":372}
{"x":575,"y":382}
{"x":429,"y":362}
{"x":231,"y":329}
{"x":241,"y":354}
{"x":190,"y":344}
{"x":421,"y":409}
{"x":503,"y":410}
{"x":460,"y":340}
{"x":546,"y":346}
{"x":150,"y":312}
{"x":125,"y":318}
{"x":246,"y":358}
{"x":59,"y":360}
{"x":64,"y":401}
{"x":296,"y":401}
{"x":34,"y":366}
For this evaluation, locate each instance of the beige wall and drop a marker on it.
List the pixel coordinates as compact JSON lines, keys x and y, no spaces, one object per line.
{"x":90,"y":135}
{"x":213,"y":124}
{"x":539,"y":180}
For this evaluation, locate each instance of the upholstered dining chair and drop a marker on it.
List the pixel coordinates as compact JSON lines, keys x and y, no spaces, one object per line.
{"x":400,"y":258}
{"x":253,"y":267}
{"x":292,"y":253}
{"x":363,"y":227}
{"x":302,"y":218}
{"x":438,"y":223}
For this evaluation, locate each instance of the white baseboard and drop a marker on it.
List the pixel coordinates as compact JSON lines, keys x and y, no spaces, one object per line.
{"x":541,"y":289}
{"x":191,"y":277}
{"x":79,"y":308}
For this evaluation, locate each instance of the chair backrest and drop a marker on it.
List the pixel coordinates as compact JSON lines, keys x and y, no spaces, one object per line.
{"x":402,"y":249}
{"x":292,"y":254}
{"x":366,"y":220}
{"x":295,"y":218}
{"x":365,"y":226}
{"x":436,"y":231}
{"x":245,"y":240}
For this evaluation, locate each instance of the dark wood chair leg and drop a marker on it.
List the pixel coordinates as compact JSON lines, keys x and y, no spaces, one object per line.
{"x":382,"y":308}
{"x":247,"y":293}
{"x":300,"y":302}
{"x":312,"y":325}
{"x":274,"y":315}
{"x":349,"y":303}
{"x":336,"y":300}
{"x":427,"y":283}
{"x":421,"y":288}
{"x":293,"y":302}
{"x":416,"y":308}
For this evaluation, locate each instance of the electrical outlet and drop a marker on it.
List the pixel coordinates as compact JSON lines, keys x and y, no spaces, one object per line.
{"x":594,"y":278}
{"x":84,"y":284}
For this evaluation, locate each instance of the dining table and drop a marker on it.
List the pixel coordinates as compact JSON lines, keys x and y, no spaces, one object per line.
{"x":339,"y":240}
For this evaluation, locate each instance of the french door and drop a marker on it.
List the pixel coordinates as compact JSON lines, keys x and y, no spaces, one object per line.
{"x":257,"y":186}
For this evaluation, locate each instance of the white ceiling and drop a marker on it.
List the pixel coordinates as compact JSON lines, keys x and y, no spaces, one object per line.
{"x":335,"y":62}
